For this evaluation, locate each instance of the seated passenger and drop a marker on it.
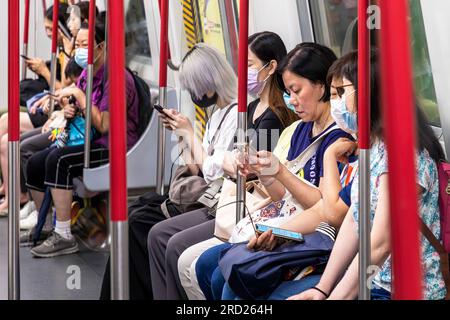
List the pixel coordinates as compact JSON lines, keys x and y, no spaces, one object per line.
{"x":267,"y":116}
{"x":35,"y":141}
{"x":55,"y":168}
{"x":304,"y":71}
{"x":29,"y":121}
{"x":210,"y":80}
{"x":340,"y":279}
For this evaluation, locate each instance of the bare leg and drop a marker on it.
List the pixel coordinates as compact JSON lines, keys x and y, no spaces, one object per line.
{"x":38,"y":197}
{"x":62,"y":199}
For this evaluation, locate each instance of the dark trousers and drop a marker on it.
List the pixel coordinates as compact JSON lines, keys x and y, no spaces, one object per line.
{"x":144,"y":213}
{"x":31,"y":142}
{"x":56,"y":167}
{"x":167,"y":241}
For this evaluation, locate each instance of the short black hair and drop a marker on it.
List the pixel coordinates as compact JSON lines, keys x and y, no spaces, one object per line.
{"x":100,"y":32}
{"x":73,"y":70}
{"x":311,"y":61}
{"x":63,"y":15}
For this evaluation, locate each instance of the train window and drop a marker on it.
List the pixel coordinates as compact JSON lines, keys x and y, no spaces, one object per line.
{"x":423,"y":75}
{"x":136,"y":38}
{"x":335,"y":24}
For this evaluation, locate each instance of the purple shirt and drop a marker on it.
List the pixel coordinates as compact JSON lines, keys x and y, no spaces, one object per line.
{"x":100,"y":99}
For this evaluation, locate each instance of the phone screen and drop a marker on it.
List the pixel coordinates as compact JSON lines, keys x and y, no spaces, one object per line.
{"x":161,"y":110}
{"x":281,"y":233}
{"x":25,"y":57}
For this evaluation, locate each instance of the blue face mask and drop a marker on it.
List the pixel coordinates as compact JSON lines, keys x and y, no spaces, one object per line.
{"x":287,"y":99}
{"x":346,"y":120}
{"x":81,"y":57}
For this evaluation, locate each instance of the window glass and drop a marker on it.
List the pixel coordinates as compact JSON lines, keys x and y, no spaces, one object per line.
{"x":335,"y":25}
{"x":423,"y":75}
{"x":136,"y":37}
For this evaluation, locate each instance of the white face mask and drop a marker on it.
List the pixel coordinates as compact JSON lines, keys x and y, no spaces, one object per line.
{"x":346,"y":120}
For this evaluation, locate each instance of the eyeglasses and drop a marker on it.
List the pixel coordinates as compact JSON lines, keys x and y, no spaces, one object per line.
{"x":341,"y":89}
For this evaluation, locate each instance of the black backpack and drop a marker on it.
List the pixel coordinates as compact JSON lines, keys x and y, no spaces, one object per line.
{"x":145,"y":105}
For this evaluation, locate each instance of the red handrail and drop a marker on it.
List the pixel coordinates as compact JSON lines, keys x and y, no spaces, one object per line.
{"x":164,"y":43}
{"x":400,"y":138}
{"x":44,"y":6}
{"x":92,"y":13}
{"x":243,"y":56}
{"x":26,"y":22}
{"x":55,"y":26}
{"x":117,"y":103}
{"x":363,"y":77}
{"x":13,"y":71}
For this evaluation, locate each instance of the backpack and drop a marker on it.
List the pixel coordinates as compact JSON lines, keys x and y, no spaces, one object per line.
{"x":444,"y":202}
{"x":145,"y":107}
{"x":443,"y":248}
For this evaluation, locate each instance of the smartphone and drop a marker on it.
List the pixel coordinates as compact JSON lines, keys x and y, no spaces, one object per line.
{"x":25,"y":57}
{"x":280,"y":233}
{"x":161,"y":110}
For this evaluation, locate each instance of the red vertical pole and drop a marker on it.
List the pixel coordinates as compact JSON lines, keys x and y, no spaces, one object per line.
{"x":44,"y":6}
{"x":242,"y":102}
{"x":26,"y":26}
{"x":117,"y":151}
{"x":13,"y":149}
{"x":364,"y":146}
{"x":55,"y":26}
{"x":400,"y":137}
{"x":92,"y":22}
{"x":163,"y":58}
{"x":54,"y":52}
{"x":13,"y":70}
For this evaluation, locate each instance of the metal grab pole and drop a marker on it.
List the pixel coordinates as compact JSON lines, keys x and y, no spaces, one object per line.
{"x":26,"y":27}
{"x":117,"y":153}
{"x":364,"y":147}
{"x":163,"y":57}
{"x":400,"y":137}
{"x":242,"y":102}
{"x":13,"y":150}
{"x":54,"y":52}
{"x":90,"y":78}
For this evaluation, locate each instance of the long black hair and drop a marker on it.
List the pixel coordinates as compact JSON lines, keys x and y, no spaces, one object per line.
{"x":268,"y":46}
{"x":311,"y":61}
{"x":347,"y":67}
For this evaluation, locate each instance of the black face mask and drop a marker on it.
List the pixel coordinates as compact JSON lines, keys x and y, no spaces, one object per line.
{"x":205,"y":102}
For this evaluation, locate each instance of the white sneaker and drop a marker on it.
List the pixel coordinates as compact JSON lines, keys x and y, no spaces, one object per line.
{"x":30,"y":221}
{"x":28,"y":208}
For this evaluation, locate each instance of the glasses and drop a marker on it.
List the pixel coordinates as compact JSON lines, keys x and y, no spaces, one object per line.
{"x":341,"y":89}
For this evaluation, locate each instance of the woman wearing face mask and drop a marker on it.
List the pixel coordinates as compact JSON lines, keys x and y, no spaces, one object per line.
{"x":340,"y":279}
{"x":55,"y":168}
{"x":211,"y":82}
{"x":267,"y":117}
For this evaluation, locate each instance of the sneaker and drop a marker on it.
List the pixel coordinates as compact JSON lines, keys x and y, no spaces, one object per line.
{"x":26,"y":237}
{"x":30,"y":221}
{"x":55,"y":245}
{"x":27,"y":209}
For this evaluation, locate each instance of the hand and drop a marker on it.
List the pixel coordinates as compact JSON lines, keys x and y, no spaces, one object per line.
{"x":266,"y":241}
{"x":311,"y":294}
{"x":179,"y":122}
{"x":70,"y":111}
{"x":64,"y":94}
{"x":67,"y":43}
{"x":229,"y":164}
{"x":341,"y":149}
{"x":37,"y":65}
{"x":264,"y":164}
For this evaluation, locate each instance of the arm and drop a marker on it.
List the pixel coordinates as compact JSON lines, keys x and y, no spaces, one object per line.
{"x":380,"y":246}
{"x":334,"y":208}
{"x":344,"y":250}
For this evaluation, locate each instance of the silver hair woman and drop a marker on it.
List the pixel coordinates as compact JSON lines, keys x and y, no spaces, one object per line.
{"x":210,"y":80}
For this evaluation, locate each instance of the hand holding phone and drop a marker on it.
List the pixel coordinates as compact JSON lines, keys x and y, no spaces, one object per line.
{"x":161,"y":110}
{"x":25,"y":57}
{"x":283,"y":234}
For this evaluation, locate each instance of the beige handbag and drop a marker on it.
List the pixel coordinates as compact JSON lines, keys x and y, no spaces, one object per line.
{"x":256,"y":198}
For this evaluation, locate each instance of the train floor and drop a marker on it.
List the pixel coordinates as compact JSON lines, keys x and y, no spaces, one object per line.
{"x":71,"y":277}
